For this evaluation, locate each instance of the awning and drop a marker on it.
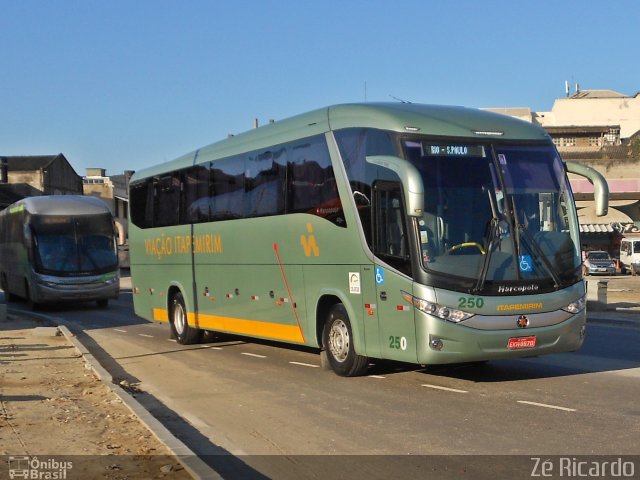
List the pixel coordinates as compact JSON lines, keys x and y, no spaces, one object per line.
{"x":596,"y":228}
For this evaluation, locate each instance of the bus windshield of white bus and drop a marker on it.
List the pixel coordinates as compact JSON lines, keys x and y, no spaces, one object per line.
{"x":65,"y":245}
{"x":496,"y":213}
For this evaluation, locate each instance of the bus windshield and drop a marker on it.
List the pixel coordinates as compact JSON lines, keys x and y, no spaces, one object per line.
{"x":67,"y":245}
{"x":496,"y":213}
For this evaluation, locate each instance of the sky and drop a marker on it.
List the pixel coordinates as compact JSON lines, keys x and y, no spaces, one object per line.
{"x":126,"y":84}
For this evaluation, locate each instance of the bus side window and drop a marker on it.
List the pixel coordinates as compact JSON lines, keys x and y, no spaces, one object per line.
{"x":141,"y":203}
{"x":226,"y":187}
{"x":168,"y":189}
{"x":390,"y":231}
{"x":311,"y":183}
{"x":265,"y":179}
{"x":195,"y":200}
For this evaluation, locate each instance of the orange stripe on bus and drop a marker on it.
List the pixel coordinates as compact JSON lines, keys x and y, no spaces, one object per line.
{"x":276,"y":331}
{"x":161,"y":314}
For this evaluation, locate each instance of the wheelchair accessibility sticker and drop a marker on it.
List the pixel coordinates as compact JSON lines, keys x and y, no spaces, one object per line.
{"x":379,"y":276}
{"x":526,"y":265}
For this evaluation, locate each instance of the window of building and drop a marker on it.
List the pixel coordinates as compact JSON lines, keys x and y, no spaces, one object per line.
{"x":612,"y":137}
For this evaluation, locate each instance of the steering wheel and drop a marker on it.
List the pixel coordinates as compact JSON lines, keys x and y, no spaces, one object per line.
{"x":466,"y":245}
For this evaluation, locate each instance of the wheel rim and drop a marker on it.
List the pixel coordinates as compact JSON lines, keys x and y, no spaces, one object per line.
{"x":339,"y":341}
{"x":179,"y":318}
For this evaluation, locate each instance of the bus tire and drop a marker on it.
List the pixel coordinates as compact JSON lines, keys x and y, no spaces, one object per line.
{"x":31,"y":303}
{"x":4,"y":284}
{"x":337,"y":341}
{"x":102,"y":303}
{"x":180,"y":329}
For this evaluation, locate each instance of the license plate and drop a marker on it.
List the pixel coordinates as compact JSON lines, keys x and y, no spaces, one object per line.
{"x":518,"y":343}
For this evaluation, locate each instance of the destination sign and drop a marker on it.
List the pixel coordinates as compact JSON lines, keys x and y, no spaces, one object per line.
{"x":453,"y":150}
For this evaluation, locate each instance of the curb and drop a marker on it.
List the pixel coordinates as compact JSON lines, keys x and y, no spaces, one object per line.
{"x":196,"y":467}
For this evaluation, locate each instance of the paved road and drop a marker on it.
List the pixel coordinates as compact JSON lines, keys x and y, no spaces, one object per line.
{"x":271,"y":406}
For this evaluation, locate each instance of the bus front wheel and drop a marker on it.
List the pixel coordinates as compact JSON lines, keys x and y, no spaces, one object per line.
{"x":31,"y":302}
{"x":337,"y":340}
{"x":103,"y":303}
{"x":180,"y":329}
{"x":4,"y":284}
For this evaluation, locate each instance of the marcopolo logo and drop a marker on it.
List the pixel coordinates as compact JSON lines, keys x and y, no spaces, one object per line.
{"x":36,"y":468}
{"x":518,"y":288}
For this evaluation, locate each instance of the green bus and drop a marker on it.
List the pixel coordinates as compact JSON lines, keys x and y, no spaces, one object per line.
{"x":418,"y":233}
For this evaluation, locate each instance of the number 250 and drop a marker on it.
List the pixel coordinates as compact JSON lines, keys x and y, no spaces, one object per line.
{"x":470,"y":302}
{"x":398,"y":343}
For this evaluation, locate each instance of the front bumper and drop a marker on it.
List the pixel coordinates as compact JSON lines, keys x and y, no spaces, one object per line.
{"x":459,"y":343}
{"x":601,"y":270}
{"x":49,"y":289}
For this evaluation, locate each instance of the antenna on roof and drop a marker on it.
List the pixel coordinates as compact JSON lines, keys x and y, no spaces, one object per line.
{"x":399,"y":99}
{"x":566,"y":88}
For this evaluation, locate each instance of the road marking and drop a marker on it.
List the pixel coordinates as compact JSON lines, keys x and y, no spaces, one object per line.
{"x":376,"y":376}
{"x":253,"y":355}
{"x":173,"y":340}
{"x":555,"y":407}
{"x":145,"y":335}
{"x":120,"y":330}
{"x":447,"y":389}
{"x":305,"y":364}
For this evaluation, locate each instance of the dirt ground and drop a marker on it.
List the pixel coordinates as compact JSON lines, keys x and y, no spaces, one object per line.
{"x":54,"y":409}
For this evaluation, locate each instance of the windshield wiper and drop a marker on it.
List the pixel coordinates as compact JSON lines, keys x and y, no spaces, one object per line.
{"x":494,"y":234}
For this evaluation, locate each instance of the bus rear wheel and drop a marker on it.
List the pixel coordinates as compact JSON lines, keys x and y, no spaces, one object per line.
{"x":337,"y":340}
{"x":180,"y":329}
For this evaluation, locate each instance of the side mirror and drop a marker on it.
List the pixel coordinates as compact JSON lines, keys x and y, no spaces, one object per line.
{"x":600,"y":186}
{"x":410,"y":178}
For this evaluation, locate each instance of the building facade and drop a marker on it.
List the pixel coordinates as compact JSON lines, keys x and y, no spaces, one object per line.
{"x":113,"y":190}
{"x":601,"y":129}
{"x":29,"y":176}
{"x":42,"y":175}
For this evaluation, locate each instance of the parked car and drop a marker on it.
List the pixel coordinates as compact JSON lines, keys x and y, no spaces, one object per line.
{"x":599,"y":262}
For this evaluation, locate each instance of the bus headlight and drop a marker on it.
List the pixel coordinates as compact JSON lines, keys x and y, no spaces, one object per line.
{"x":441,"y":311}
{"x":576,"y":306}
{"x":453,"y":315}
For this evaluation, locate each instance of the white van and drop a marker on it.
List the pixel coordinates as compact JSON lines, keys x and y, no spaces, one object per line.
{"x":629,"y":254}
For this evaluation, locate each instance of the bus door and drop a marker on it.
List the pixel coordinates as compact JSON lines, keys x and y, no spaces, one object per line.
{"x":393,"y":273}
